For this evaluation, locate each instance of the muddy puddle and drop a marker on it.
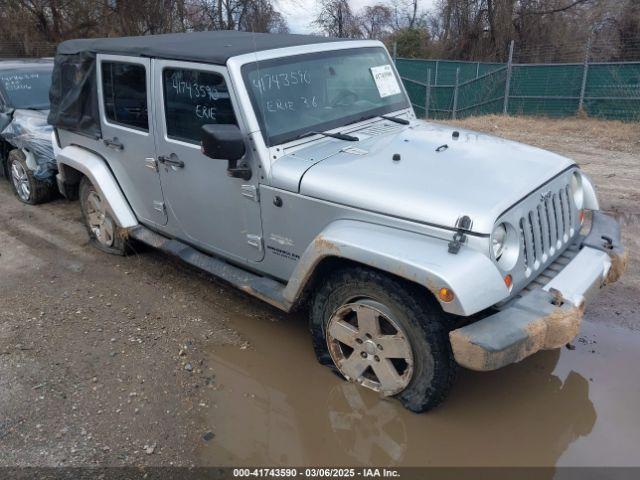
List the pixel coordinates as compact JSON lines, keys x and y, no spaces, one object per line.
{"x":272,"y":404}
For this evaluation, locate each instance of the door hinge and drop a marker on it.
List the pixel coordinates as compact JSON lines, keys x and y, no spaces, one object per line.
{"x":151,"y":164}
{"x":158,"y":206}
{"x":250,"y":191}
{"x":255,"y":241}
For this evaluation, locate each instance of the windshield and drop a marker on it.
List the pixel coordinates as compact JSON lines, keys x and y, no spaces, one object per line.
{"x":27,"y":88}
{"x":321,"y":91}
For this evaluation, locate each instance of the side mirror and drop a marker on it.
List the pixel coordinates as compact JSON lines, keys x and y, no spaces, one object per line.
{"x":225,"y":142}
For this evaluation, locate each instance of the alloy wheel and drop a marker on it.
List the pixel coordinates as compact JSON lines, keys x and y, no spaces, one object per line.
{"x":99,"y":222}
{"x":20,"y":181}
{"x":369,"y":347}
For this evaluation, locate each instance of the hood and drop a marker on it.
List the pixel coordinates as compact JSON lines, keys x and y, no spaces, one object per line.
{"x":476,"y":175}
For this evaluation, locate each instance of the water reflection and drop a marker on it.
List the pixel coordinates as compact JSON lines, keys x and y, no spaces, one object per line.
{"x":366,"y":427}
{"x":276,"y":406}
{"x":536,"y":419}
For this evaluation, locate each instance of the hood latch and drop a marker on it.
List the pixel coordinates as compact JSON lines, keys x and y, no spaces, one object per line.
{"x":463,"y":225}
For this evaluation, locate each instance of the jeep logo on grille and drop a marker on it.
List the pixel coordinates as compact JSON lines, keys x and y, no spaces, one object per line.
{"x":544,"y":196}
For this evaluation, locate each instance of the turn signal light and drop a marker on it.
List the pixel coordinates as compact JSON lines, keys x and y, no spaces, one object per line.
{"x":446,"y":295}
{"x":581,"y":216}
{"x":508,"y":281}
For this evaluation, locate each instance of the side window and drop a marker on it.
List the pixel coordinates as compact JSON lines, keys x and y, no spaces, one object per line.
{"x":124,"y":88}
{"x":193,"y":98}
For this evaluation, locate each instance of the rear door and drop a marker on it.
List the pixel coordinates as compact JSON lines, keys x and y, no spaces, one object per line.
{"x":126,"y":111}
{"x":212,"y":210}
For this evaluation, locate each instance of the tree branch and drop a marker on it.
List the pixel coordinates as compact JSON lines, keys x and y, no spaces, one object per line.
{"x":557,"y":10}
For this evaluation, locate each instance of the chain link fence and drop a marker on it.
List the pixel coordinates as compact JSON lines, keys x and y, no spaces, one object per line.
{"x":444,"y":89}
{"x":11,"y":49}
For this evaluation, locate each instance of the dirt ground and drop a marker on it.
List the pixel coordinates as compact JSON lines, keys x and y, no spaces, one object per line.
{"x":141,"y":360}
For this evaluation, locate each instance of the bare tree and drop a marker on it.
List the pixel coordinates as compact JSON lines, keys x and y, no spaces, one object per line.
{"x":219,"y":14}
{"x":376,"y":21}
{"x":145,"y":17}
{"x":406,"y":14}
{"x":629,"y":31}
{"x":544,"y":30}
{"x":482,"y":29}
{"x":337,"y":20}
{"x":261,"y":16}
{"x":250,"y":15}
{"x":48,"y":22}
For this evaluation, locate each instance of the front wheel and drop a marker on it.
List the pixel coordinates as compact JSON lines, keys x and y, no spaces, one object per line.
{"x":26,"y":186}
{"x":384,"y":334}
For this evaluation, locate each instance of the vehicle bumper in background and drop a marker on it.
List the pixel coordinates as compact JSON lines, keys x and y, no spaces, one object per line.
{"x":547,"y":317}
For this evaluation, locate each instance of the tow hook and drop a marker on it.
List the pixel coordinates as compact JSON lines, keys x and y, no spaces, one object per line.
{"x":558,"y":299}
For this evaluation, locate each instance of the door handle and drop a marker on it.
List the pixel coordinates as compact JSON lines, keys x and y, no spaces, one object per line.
{"x":171,"y":160}
{"x":113,"y":143}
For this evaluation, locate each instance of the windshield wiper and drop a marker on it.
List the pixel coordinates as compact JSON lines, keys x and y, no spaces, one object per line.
{"x":339,"y":136}
{"x":401,"y":121}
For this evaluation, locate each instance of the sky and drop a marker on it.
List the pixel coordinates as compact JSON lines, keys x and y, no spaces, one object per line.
{"x":301,"y":13}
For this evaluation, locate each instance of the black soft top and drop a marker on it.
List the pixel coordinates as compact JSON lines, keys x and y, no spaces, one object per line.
{"x":74,"y":92}
{"x":211,"y":47}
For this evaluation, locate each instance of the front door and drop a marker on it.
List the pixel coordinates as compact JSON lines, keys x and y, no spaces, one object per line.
{"x":126,"y":110}
{"x":210,"y":209}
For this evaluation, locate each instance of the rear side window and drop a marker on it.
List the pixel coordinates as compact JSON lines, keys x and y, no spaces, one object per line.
{"x":124,"y":88}
{"x":193,"y":98}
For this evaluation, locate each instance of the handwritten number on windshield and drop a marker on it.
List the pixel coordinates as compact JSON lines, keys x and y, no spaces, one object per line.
{"x":18,"y":81}
{"x":281,"y":81}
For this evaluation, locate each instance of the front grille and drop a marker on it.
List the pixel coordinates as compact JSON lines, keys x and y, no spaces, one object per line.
{"x":547,"y":227}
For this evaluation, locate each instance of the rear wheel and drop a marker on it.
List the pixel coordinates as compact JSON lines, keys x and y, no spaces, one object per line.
{"x":384,"y":334}
{"x":102,"y":228}
{"x":29,"y":189}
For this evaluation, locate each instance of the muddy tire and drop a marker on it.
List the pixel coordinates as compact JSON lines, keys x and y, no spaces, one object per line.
{"x":103,"y":231}
{"x":395,"y":330}
{"x":27,"y":188}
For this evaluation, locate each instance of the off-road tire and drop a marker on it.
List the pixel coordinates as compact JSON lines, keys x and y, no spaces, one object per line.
{"x":120,"y":245}
{"x":40,"y":191}
{"x":418,"y":314}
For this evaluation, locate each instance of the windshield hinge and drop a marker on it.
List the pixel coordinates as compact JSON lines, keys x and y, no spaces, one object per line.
{"x":463,"y":225}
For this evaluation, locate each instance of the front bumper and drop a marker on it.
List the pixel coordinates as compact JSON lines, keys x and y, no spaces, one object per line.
{"x":548,"y":317}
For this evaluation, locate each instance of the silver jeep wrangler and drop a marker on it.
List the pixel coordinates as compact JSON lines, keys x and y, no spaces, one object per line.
{"x":294,"y":168}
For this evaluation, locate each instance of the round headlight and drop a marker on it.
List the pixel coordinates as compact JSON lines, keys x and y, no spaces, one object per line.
{"x":505,"y":246}
{"x":498,"y":238}
{"x":576,"y":190}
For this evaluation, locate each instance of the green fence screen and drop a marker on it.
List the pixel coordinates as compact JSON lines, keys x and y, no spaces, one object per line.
{"x":449,"y":89}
